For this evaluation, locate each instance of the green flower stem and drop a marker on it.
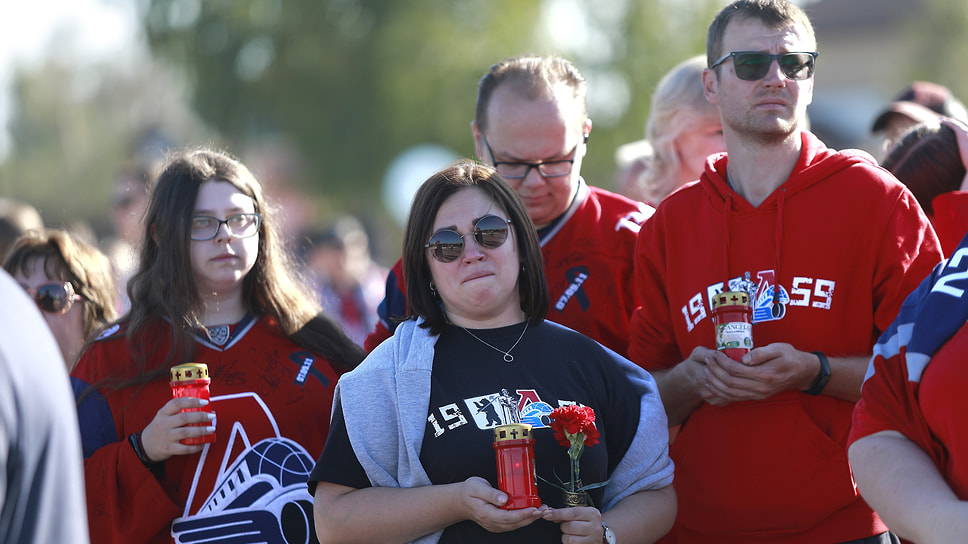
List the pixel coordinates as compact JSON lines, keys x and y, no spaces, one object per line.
{"x":577,"y":441}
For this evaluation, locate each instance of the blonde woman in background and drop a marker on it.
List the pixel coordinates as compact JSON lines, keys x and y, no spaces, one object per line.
{"x":683,"y":128}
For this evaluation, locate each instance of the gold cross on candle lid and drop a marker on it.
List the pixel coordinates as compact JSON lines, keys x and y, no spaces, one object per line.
{"x":189,"y":371}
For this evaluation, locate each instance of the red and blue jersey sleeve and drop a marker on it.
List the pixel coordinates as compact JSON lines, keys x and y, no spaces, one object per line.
{"x":127,"y":503}
{"x":391,"y":311}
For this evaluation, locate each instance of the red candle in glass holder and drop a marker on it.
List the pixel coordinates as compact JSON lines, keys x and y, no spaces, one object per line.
{"x":514,"y":449}
{"x":191,"y":380}
{"x":733,"y":320}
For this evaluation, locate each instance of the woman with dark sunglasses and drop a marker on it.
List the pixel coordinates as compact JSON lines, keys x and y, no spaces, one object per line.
{"x":71,"y":282}
{"x":214,"y":286}
{"x":410,"y":456}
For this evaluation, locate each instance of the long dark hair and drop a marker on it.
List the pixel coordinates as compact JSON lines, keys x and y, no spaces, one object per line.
{"x":164,"y":287}
{"x":430,"y":197}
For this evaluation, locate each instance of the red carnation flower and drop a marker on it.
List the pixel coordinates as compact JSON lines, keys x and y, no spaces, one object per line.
{"x":574,"y":419}
{"x":574,"y":428}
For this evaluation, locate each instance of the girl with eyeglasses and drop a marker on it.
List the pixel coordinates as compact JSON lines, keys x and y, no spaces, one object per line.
{"x":410,"y":456}
{"x":214,"y":286}
{"x":71,"y":282}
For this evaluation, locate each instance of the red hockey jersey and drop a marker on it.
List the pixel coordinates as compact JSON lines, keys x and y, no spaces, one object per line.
{"x":587,"y":264}
{"x":272,"y":401}
{"x":916,"y":381}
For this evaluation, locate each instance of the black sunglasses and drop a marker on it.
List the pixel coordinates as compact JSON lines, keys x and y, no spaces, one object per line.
{"x":56,"y":297}
{"x":753,"y":65}
{"x":447,"y":245}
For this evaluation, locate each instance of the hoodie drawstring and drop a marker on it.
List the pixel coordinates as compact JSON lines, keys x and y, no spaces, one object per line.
{"x":777,"y":243}
{"x":728,"y":214}
{"x":781,"y":197}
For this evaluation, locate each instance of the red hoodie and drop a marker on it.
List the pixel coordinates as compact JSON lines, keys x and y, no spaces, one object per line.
{"x":950,"y":218}
{"x":845,"y":242}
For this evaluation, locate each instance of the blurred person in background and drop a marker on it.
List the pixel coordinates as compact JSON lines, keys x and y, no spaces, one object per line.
{"x":349,"y":282}
{"x":531,"y":123}
{"x":41,"y":477}
{"x":632,"y":159}
{"x":683,"y":127}
{"x":921,"y":102}
{"x":16,"y":218}
{"x":931,"y":160}
{"x":214,"y":285}
{"x":129,"y":200}
{"x":71,"y":282}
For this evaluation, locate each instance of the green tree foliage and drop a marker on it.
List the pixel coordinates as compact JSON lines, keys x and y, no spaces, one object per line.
{"x":649,"y":39}
{"x":351,"y":83}
{"x":354,"y":82}
{"x":943,"y":39}
{"x":74,"y":129}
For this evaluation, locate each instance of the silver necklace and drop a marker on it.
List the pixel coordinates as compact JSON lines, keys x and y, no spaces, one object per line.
{"x":508,"y":358}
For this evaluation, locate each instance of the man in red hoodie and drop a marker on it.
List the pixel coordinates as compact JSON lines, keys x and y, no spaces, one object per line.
{"x":826,"y":244}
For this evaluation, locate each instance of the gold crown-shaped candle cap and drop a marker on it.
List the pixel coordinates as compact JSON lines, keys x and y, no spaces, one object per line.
{"x":189,"y":371}
{"x":731,"y":298}
{"x":512,"y":431}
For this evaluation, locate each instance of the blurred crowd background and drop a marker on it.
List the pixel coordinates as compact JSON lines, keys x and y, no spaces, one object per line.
{"x":342,"y":107}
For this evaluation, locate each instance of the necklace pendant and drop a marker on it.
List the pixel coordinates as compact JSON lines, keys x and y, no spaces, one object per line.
{"x":508,"y":358}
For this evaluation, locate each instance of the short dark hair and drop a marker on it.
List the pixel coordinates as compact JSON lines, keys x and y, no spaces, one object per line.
{"x":532,"y":77}
{"x":772,"y":13}
{"x":926,"y":159}
{"x":461,"y":175}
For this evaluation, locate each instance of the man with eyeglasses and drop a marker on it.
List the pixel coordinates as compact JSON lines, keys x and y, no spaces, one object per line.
{"x":532,"y":125}
{"x":826,"y":244}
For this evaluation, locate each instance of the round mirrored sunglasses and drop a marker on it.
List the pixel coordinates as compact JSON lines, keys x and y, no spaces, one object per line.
{"x":447,"y":245}
{"x":55,"y":297}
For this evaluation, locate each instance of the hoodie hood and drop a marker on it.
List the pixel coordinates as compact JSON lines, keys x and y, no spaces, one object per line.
{"x":816,"y":163}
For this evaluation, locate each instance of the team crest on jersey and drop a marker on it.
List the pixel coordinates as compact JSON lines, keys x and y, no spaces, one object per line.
{"x":496,"y":409}
{"x":761,"y":292}
{"x":250,"y":485}
{"x":218,"y":335}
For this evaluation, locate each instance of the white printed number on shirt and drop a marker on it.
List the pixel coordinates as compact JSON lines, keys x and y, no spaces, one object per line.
{"x":954,"y":262}
{"x":451,"y":416}
{"x":821,"y":293}
{"x":694,"y":312}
